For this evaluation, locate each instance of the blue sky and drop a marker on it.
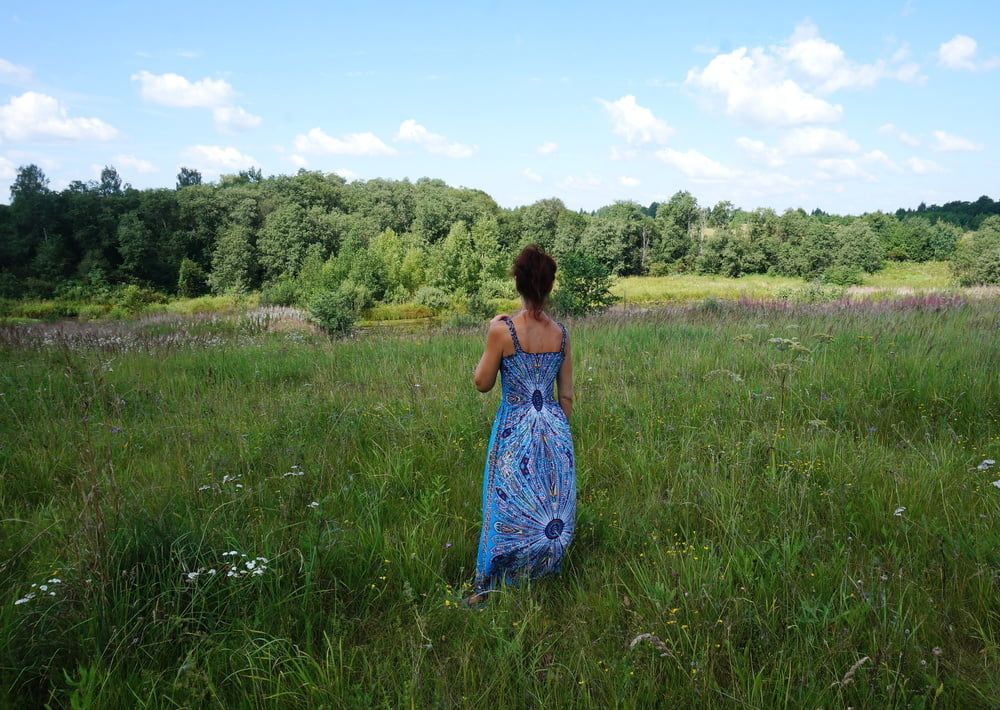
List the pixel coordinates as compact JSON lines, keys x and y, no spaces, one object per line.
{"x":848,"y":106}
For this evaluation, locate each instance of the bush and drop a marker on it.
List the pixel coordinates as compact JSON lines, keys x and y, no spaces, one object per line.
{"x":9,"y":286}
{"x":191,"y":279}
{"x":133,"y":298}
{"x":842,"y":275}
{"x":860,"y":249}
{"x":333,"y":312}
{"x":812,"y":292}
{"x":284,"y":292}
{"x":481,"y":307}
{"x":359,"y":295}
{"x":662,"y":268}
{"x":584,"y":285}
{"x":977,"y":256}
{"x":433,"y":298}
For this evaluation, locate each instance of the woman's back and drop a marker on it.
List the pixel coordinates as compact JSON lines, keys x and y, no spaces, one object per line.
{"x":537,"y":336}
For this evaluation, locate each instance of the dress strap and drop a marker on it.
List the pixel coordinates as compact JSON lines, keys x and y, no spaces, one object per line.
{"x":562,"y":345}
{"x":513,"y":334}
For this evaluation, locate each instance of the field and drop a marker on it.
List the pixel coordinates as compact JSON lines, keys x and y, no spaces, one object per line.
{"x":683,"y":288}
{"x":780,"y":505}
{"x":894,"y":279}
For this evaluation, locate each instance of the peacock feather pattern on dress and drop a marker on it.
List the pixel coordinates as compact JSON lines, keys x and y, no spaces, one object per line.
{"x":529,"y":480}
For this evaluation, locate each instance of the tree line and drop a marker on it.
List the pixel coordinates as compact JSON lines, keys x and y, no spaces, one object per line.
{"x":396,"y":241}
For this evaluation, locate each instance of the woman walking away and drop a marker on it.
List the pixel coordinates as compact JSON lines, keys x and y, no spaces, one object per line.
{"x":529,"y":480}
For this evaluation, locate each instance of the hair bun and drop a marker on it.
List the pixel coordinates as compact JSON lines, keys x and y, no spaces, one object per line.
{"x":534,"y":271}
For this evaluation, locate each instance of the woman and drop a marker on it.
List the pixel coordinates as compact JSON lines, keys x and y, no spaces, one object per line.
{"x":529,"y":481}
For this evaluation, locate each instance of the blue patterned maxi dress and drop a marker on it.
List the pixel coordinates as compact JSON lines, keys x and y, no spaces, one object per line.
{"x":529,"y":481}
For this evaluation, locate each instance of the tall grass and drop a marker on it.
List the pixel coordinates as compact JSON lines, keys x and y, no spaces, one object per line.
{"x":871,"y":535}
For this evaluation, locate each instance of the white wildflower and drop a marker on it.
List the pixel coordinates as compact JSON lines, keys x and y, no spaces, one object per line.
{"x":899,"y":511}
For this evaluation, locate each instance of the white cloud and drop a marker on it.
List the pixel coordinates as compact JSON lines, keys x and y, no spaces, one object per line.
{"x":919,"y":166}
{"x":695,"y":165}
{"x":761,"y":151}
{"x":636,"y":123}
{"x":829,"y":69}
{"x":901,"y":135}
{"x":346,"y":173}
{"x":627,"y":181}
{"x":231,"y":118}
{"x":581,"y":182}
{"x":815,"y":140}
{"x":215,"y":159}
{"x":531,"y":175}
{"x":958,"y":52}
{"x":33,"y":115}
{"x":179,"y":92}
{"x":880,"y":158}
{"x":841,"y":168}
{"x":547,"y":148}
{"x":133,"y":163}
{"x":11,"y":73}
{"x":949,"y":143}
{"x":175,"y":90}
{"x":316,"y":141}
{"x":755,"y":90}
{"x":782,"y":85}
{"x":412,"y":132}
{"x":298,"y":161}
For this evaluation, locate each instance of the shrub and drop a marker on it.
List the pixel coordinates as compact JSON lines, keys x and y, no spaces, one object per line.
{"x":481,"y":307}
{"x":977,"y":256}
{"x":812,"y":292}
{"x":9,"y":286}
{"x":584,"y":285}
{"x":191,"y":279}
{"x":860,"y":248}
{"x":133,"y":298}
{"x":333,"y":312}
{"x":359,"y":295}
{"x":283,"y":292}
{"x":842,"y":275}
{"x":662,"y":268}
{"x":433,"y":298}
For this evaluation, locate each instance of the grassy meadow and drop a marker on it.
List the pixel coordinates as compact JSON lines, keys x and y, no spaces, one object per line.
{"x":778,"y":506}
{"x":893,"y":279}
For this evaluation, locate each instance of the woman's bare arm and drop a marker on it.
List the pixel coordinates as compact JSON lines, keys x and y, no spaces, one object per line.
{"x":485,"y":374}
{"x":564,"y":381}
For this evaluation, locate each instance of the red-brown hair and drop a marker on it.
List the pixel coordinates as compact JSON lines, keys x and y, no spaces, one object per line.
{"x":533,"y":272}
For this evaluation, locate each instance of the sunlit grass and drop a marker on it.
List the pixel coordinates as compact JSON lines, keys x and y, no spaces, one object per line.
{"x":681,"y":288}
{"x":353,"y":469}
{"x":908,"y":274}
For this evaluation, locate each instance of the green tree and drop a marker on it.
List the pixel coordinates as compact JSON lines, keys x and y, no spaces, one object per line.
{"x":859,"y":248}
{"x":111,"y":182}
{"x":135,"y":244}
{"x":977,"y":255}
{"x":188,"y":177}
{"x":676,"y":222}
{"x":191,"y":280}
{"x":234,"y":260}
{"x":584,"y":285}
{"x":604,"y":241}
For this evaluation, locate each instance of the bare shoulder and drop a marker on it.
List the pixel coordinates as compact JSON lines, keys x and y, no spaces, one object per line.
{"x":498,"y":334}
